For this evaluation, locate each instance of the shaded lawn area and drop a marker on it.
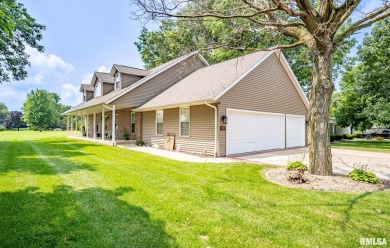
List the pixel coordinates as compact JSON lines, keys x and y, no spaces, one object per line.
{"x":364,"y":145}
{"x":60,"y":192}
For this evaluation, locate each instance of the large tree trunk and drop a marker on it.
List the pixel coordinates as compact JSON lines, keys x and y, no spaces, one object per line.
{"x":320,"y":156}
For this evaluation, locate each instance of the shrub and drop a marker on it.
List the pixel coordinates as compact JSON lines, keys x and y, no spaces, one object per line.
{"x":358,"y":135}
{"x":2,"y":129}
{"x":139,"y":142}
{"x":334,"y":137}
{"x":359,"y":174}
{"x":126,"y":135}
{"x":297,"y":165}
{"x":348,"y":136}
{"x":379,"y":138}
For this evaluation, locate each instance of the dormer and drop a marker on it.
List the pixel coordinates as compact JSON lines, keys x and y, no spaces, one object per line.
{"x":125,"y":76}
{"x":102,"y":83}
{"x":87,"y":91}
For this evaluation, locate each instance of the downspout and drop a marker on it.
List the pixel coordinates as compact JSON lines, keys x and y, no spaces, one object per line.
{"x":215,"y":127}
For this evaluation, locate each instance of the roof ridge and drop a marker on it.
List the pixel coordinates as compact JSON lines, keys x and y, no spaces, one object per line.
{"x":131,"y":67}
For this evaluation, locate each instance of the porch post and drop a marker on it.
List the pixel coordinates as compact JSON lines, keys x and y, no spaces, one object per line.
{"x":86,"y":125}
{"x":94,"y":124}
{"x":113,"y":129}
{"x":67,"y":126}
{"x":103,"y":124}
{"x":334,"y":128}
{"x":76,"y":126}
{"x":71,"y":125}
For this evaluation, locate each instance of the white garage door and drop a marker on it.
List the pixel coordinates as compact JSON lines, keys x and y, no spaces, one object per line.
{"x":249,"y":131}
{"x":295,"y":130}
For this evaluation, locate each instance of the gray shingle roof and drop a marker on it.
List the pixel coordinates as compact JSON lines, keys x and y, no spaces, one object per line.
{"x":104,"y":77}
{"x":106,"y":99}
{"x":86,"y":87}
{"x":205,"y":83}
{"x":131,"y":70}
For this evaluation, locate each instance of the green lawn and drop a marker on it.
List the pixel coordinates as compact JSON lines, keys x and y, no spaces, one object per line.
{"x":56,"y":192}
{"x":364,"y":145}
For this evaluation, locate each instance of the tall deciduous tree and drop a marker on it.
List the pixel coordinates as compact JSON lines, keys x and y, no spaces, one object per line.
{"x":17,"y":29}
{"x":321,"y":26}
{"x":14,"y":120}
{"x":365,"y":89}
{"x":39,"y":109}
{"x":3,"y":112}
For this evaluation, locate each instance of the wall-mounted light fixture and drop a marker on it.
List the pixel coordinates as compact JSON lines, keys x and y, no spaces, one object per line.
{"x":224,"y":119}
{"x":307,"y":123}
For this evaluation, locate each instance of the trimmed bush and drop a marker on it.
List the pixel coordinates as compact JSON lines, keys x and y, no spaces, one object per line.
{"x":297,"y":165}
{"x":334,"y":137}
{"x":348,"y":136}
{"x":358,"y":135}
{"x":139,"y":142}
{"x":364,"y":176}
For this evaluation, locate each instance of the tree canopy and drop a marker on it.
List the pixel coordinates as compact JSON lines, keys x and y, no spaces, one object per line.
{"x":176,"y":38}
{"x":3,"y":112}
{"x":43,"y":109}
{"x":17,"y":29}
{"x":364,"y":99}
{"x":14,"y":120}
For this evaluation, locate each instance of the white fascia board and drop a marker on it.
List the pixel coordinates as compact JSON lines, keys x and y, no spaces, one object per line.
{"x":242,"y":76}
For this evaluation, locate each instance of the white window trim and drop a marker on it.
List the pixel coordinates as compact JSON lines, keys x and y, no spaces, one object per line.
{"x":189,"y":122}
{"x":116,"y":81}
{"x":101,"y":88}
{"x":156,"y":122}
{"x":84,"y":96}
{"x":132,"y":118}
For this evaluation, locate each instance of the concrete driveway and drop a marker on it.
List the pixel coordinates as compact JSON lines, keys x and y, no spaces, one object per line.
{"x":343,"y":160}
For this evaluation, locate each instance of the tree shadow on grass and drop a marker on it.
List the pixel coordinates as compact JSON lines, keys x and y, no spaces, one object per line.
{"x":92,"y":217}
{"x":39,"y":158}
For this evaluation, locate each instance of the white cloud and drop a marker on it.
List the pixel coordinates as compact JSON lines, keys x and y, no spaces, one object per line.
{"x":70,"y":94}
{"x":38,"y":78}
{"x":14,"y":98}
{"x":46,"y":63}
{"x":103,"y":69}
{"x":86,"y":78}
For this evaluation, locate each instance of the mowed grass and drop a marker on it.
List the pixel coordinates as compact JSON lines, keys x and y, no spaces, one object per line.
{"x":364,"y":145}
{"x":58,"y":192}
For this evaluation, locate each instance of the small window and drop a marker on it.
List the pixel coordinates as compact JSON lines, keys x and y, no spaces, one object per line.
{"x":117,"y":80}
{"x":132,"y":122}
{"x":160,"y":122}
{"x":84,"y":96}
{"x":98,"y":89}
{"x":184,"y":121}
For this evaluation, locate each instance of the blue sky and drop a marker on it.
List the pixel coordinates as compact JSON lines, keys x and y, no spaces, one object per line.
{"x":81,"y":36}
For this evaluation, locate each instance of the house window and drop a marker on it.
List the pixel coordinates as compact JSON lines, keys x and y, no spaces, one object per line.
{"x":184,"y":121}
{"x":98,"y":89}
{"x":160,"y":122}
{"x":84,"y":96}
{"x":132,"y":122}
{"x":117,"y":80}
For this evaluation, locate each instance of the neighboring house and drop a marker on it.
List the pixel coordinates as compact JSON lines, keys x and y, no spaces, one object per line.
{"x":336,"y":129}
{"x":247,"y":104}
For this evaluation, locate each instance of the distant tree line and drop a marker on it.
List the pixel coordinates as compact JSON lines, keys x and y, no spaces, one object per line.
{"x":41,"y":111}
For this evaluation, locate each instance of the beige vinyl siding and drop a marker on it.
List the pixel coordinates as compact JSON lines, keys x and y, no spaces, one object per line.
{"x":267,"y":88}
{"x":127,"y":80}
{"x":201,"y":129}
{"x":159,"y":83}
{"x":107,"y":88}
{"x":89,"y":95}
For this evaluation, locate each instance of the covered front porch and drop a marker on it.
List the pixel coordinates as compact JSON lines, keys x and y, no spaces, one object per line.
{"x":107,"y":123}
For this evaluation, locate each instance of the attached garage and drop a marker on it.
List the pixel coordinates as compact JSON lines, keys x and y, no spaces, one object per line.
{"x":251,"y":131}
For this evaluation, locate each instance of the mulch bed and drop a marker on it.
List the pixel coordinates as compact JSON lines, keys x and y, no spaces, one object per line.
{"x":324,"y":183}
